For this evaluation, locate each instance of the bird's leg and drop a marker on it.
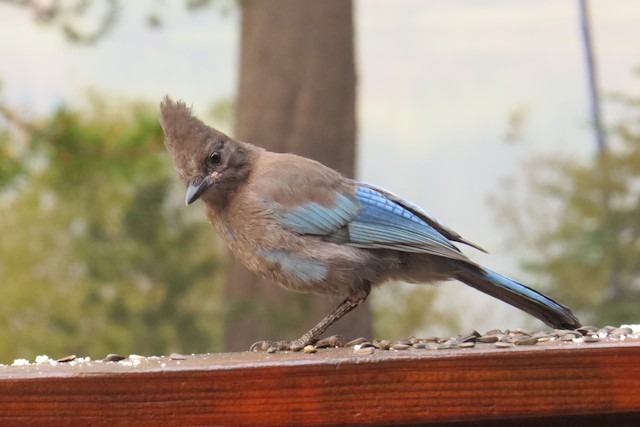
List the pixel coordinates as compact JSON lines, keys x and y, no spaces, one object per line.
{"x":351,"y":302}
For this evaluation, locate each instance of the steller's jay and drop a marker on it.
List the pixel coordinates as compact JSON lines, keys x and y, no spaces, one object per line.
{"x":304,"y":225}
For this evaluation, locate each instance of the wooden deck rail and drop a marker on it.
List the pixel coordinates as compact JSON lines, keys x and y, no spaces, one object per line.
{"x":552,"y":384}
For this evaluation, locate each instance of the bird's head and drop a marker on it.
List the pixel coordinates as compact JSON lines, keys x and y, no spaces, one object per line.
{"x":207,"y":160}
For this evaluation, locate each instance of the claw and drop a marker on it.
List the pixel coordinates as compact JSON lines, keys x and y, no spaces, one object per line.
{"x":260,"y":346}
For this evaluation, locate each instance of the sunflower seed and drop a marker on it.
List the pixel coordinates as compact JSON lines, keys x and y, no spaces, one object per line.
{"x":501,"y":344}
{"x":400,"y":347}
{"x":364,"y":350}
{"x":356,"y":341}
{"x":527,"y":341}
{"x":468,"y":338}
{"x":112,"y":357}
{"x":66,"y":359}
{"x":540,"y":334}
{"x":564,"y":332}
{"x":488,"y":338}
{"x":177,"y":356}
{"x":444,"y":345}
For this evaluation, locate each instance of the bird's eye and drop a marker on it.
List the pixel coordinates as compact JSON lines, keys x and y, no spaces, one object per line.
{"x":215,"y":158}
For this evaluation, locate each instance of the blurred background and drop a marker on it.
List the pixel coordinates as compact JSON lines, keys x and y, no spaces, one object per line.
{"x":481,"y":112}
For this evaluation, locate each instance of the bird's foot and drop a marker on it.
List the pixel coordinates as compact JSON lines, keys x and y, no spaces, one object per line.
{"x":274,"y":346}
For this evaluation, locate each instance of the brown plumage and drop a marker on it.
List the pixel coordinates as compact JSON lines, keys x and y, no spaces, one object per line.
{"x":305,"y":226}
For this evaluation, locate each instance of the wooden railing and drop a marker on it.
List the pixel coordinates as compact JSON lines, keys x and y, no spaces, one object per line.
{"x":556,"y":383}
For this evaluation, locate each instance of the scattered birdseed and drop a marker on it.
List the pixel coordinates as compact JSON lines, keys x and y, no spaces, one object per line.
{"x":363,"y":350}
{"x":527,"y":341}
{"x":112,"y":357}
{"x":382,"y":344}
{"x":501,"y":344}
{"x":355,"y":342}
{"x":66,"y":359}
{"x":489,"y":338}
{"x":365,"y":344}
{"x":468,"y":338}
{"x":309,"y":349}
{"x":400,"y":346}
{"x":500,"y":339}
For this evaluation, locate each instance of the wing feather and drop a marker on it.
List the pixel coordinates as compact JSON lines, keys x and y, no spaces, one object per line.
{"x":367,"y":218}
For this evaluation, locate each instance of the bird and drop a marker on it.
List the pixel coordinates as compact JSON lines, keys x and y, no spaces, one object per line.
{"x":305,"y":226}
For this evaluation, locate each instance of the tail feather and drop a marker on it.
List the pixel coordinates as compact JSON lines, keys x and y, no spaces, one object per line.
{"x":520,"y":296}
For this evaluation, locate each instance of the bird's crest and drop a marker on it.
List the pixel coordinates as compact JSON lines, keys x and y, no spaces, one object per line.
{"x":180,"y":127}
{"x":186,"y":136}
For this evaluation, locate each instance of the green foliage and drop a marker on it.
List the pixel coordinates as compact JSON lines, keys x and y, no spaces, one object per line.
{"x":579,"y":222}
{"x":97,"y":253}
{"x":10,"y":166}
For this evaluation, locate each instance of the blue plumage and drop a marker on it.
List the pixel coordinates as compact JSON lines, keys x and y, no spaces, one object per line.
{"x":386,"y":223}
{"x":371,"y":220}
{"x":518,"y":288}
{"x":301,"y":267}
{"x":313,"y":218}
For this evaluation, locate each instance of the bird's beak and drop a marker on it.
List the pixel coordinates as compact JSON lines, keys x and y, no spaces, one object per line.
{"x":196,"y":187}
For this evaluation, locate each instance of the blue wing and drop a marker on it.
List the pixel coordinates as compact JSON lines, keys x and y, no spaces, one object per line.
{"x":369,"y":219}
{"x":315,"y":218}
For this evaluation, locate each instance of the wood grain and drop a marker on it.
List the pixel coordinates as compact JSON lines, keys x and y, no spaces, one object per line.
{"x":587,"y":383}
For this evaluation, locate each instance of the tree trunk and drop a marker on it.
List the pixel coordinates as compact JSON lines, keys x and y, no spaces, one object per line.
{"x":297,"y":94}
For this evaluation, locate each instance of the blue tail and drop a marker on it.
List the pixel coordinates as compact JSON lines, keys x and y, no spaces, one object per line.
{"x":520,"y":296}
